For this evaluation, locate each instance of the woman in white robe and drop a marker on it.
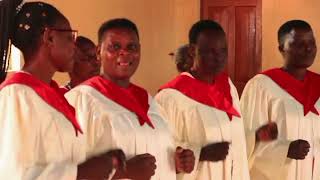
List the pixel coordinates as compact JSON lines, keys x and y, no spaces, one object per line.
{"x":38,"y":140}
{"x":118,"y":114}
{"x":40,"y":136}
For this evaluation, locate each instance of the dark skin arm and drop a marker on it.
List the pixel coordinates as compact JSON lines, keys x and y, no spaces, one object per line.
{"x":267,"y":132}
{"x":101,"y":166}
{"x":215,"y":152}
{"x":184,"y":160}
{"x":140,"y":167}
{"x":298,"y":149}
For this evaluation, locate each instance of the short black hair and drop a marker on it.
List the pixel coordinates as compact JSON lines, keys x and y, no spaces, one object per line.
{"x":288,"y":26}
{"x":201,"y":26}
{"x":82,"y":41}
{"x":116,"y":23}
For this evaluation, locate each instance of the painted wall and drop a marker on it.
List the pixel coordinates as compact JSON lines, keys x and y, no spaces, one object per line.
{"x":164,"y":25}
{"x":277,"y":12}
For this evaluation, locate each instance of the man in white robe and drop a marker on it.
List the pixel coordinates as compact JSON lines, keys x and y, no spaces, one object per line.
{"x":289,"y":97}
{"x":202,"y":108}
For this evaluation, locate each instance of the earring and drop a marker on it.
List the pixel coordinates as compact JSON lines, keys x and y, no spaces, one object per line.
{"x":26,"y":27}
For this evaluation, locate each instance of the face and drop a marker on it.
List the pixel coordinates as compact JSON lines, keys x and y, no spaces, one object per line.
{"x":86,"y":64}
{"x":299,"y":49}
{"x":211,"y":52}
{"x":119,"y":53}
{"x":62,"y":46}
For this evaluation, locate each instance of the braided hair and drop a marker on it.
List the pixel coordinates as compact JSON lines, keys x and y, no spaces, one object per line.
{"x":7,"y":12}
{"x":23,"y":25}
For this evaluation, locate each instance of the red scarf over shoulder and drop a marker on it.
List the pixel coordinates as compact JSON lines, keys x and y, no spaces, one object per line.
{"x":306,"y":92}
{"x":49,"y":93}
{"x":133,"y":98}
{"x":216,"y":95}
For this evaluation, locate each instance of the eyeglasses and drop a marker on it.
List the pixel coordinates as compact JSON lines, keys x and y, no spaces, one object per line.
{"x":74,"y":33}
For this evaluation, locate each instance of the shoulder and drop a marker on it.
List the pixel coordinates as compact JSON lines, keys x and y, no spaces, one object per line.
{"x":169,"y":95}
{"x":17,"y":90}
{"x":83,"y":94}
{"x":260,"y":81}
{"x":314,"y":75}
{"x":82,"y":89}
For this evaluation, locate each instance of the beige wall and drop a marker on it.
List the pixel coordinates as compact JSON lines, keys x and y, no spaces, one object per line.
{"x":274,"y":14}
{"x":163,"y":26}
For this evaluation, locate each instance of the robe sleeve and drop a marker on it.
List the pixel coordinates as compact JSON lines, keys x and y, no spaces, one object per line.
{"x":96,"y":127}
{"x":267,"y":158}
{"x":240,"y":168}
{"x":316,"y":162}
{"x":95,"y":123}
{"x":174,"y":115}
{"x":18,"y":135}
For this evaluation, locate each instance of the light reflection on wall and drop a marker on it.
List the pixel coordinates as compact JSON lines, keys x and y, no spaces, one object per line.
{"x":15,"y":60}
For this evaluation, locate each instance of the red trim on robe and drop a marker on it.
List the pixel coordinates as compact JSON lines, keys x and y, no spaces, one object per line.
{"x":50,"y":94}
{"x":63,"y":90}
{"x":133,"y":98}
{"x":306,"y":92}
{"x":216,"y":95}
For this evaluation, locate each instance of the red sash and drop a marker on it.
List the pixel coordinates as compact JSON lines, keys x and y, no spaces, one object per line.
{"x":306,"y":92}
{"x":63,"y":90}
{"x":133,"y":98}
{"x":216,"y":95}
{"x":49,"y":94}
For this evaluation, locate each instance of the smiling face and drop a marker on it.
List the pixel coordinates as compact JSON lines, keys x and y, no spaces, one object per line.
{"x":119,"y":53}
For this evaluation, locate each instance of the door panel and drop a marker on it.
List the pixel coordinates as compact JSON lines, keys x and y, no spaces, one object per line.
{"x":241,"y":20}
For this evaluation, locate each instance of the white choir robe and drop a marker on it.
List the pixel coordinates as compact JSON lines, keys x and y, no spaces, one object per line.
{"x":197,"y":125}
{"x":264,"y":101}
{"x":108,"y":125}
{"x":37,"y":142}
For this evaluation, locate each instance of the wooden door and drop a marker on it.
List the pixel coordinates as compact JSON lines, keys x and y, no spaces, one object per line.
{"x":241,"y":20}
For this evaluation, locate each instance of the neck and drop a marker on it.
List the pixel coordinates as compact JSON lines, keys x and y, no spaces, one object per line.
{"x":205,"y":77}
{"x":75,"y":82}
{"x":120,"y":82}
{"x":297,"y":73}
{"x":41,"y":69}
